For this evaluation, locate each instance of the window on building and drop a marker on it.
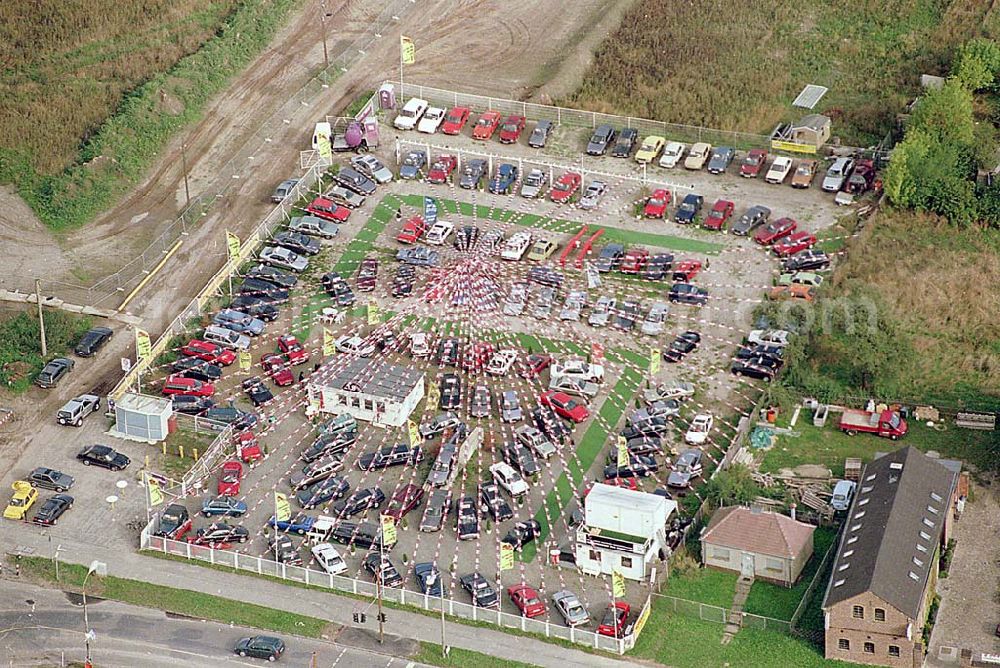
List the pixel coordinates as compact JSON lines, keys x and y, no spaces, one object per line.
{"x":774,"y":565}
{"x":626,"y":562}
{"x":356,"y":402}
{"x":859,"y":612}
{"x":879,"y":614}
{"x":844,"y":644}
{"x":369,"y":405}
{"x":595,"y":556}
{"x":869,"y":648}
{"x":894,"y":650}
{"x":720,"y":553}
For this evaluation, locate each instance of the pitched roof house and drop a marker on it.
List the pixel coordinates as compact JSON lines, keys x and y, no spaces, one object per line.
{"x":766,"y":545}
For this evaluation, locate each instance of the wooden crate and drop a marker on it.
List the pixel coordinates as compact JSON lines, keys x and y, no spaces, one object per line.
{"x":852,"y":469}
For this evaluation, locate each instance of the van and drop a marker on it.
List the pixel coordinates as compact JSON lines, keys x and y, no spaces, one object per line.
{"x":322,"y":132}
{"x":226,"y":338}
{"x":843,"y":492}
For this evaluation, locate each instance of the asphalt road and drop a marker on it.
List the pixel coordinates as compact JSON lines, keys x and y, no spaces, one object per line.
{"x":40,"y":627}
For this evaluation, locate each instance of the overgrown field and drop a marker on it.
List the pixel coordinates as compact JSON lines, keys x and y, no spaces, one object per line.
{"x":91,"y":91}
{"x":738,"y":65}
{"x":20,"y":344}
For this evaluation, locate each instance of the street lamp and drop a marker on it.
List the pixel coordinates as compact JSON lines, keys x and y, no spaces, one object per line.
{"x":322,"y":20}
{"x":88,"y":634}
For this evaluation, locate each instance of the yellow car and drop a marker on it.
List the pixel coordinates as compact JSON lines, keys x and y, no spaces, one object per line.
{"x":24,"y":496}
{"x":651,"y":147}
{"x":542,"y":249}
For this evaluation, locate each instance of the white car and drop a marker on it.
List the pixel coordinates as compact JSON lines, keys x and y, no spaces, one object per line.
{"x":578,"y":370}
{"x":533,"y":184}
{"x":771,"y":337}
{"x":672,"y":154}
{"x":593,"y":194}
{"x":677,"y":389}
{"x":576,"y":300}
{"x":699,"y":430}
{"x":501,"y":362}
{"x":652,"y":324}
{"x":574,"y":386}
{"x":439,"y":233}
{"x":314,"y":226}
{"x":779,"y":171}
{"x":505,"y":476}
{"x":278,"y":256}
{"x":410,"y":114}
{"x":355,"y":345}
{"x":420,"y":344}
{"x":372,"y":167}
{"x":431,"y":121}
{"x":329,"y":559}
{"x":516,"y":300}
{"x":535,"y":440}
{"x":698,"y":156}
{"x":516,"y":246}
{"x":602,"y":312}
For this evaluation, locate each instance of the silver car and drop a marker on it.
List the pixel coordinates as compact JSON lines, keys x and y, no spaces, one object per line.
{"x":601,"y":314}
{"x":510,"y":407}
{"x":239,"y":322}
{"x":314,"y":226}
{"x":372,"y":167}
{"x":593,"y":194}
{"x":345,"y":196}
{"x":533,"y":184}
{"x":543,"y":303}
{"x":481,"y":404}
{"x":570,"y":608}
{"x":283,"y":189}
{"x":653,"y":322}
{"x":575,"y":301}
{"x":276,"y":256}
{"x":839,"y":172}
{"x":574,"y":386}
{"x":516,"y":300}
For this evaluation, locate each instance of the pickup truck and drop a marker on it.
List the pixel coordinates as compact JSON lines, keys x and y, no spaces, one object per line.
{"x":76,"y":409}
{"x":887,"y":424}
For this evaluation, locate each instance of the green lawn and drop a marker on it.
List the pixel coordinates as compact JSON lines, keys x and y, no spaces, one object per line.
{"x":707,"y":585}
{"x":772,"y":600}
{"x":430,"y":654}
{"x":181,"y":601}
{"x":830,"y":447}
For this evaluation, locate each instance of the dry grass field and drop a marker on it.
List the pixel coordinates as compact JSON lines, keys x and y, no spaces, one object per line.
{"x":738,"y":65}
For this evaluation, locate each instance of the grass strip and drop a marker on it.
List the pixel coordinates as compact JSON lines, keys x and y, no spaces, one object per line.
{"x":463,"y":658}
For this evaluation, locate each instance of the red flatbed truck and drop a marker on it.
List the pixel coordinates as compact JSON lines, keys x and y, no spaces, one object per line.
{"x":887,"y":424}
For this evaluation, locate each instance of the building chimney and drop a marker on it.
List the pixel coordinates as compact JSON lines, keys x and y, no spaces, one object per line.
{"x":792,"y":508}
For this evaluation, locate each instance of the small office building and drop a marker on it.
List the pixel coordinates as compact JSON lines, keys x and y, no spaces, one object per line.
{"x":370,"y":390}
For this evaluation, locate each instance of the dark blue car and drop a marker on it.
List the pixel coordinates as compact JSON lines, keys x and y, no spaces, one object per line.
{"x":689,"y":208}
{"x":300,"y":523}
{"x":223,"y":506}
{"x":504,"y":180}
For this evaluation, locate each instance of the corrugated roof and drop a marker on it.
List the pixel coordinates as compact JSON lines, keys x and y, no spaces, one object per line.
{"x":610,"y":495}
{"x":892,"y":530}
{"x":758,"y":532}
{"x":375,"y":378}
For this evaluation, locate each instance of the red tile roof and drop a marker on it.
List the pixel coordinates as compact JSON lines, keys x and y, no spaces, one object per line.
{"x":759,"y":532}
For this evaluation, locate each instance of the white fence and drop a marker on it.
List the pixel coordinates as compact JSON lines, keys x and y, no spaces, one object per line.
{"x":308,"y":576}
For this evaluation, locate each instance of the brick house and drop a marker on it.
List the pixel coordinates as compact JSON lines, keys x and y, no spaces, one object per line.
{"x":886,"y":564}
{"x":758,"y":544}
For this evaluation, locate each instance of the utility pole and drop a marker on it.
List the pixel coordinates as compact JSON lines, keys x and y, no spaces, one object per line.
{"x":322,"y":20}
{"x":184,"y":166}
{"x":444,"y":645}
{"x":378,"y":587}
{"x":41,"y":320}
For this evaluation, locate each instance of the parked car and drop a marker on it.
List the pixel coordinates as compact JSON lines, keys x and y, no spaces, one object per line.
{"x":804,"y":174}
{"x":542,"y":249}
{"x":779,"y":171}
{"x":652,"y":324}
{"x":600,"y":140}
{"x":431,"y":120}
{"x":413,"y":164}
{"x":75,"y":410}
{"x":103,"y":456}
{"x":699,"y":429}
{"x":372,"y":167}
{"x":53,"y":372}
{"x":404,"y":500}
{"x":467,"y":518}
{"x":503,"y":182}
{"x":837,"y":174}
{"x":807,"y":260}
{"x":569,"y":607}
{"x":47,"y":478}
{"x":547,"y":276}
{"x":537,"y":441}
{"x":455,"y":120}
{"x":686,"y":468}
{"x":522,"y":459}
{"x":686,"y":293}
{"x":223,"y":506}
{"x":362,"y":535}
{"x":613,"y":622}
{"x":565,"y":187}
{"x":481,"y":402}
{"x":794,"y":243}
{"x":359,"y":502}
{"x":775,"y":230}
{"x":656,"y":205}
{"x":282,"y":190}
{"x":301,"y":244}
{"x":526,"y":600}
{"x":382,"y":569}
{"x":511,"y":129}
{"x":754,"y":217}
{"x":21,"y":500}
{"x":260,"y":647}
{"x":442,"y":169}
{"x":328,"y":210}
{"x":697,"y":156}
{"x":278,"y":256}
{"x":576,"y":300}
{"x":533,"y":183}
{"x":522,"y":533}
{"x":410,"y":114}
{"x":354,"y":345}
{"x":313,"y":225}
{"x":438,"y":424}
{"x":626,"y":316}
{"x":650,"y":149}
{"x":510,"y":407}
{"x":328,"y":558}
{"x":689,"y":208}
{"x":484,"y":594}
{"x":627,"y":139}
{"x":672,"y":153}
{"x":719,"y":215}
{"x":92,"y":341}
{"x":493,"y":503}
{"x":722,"y":157}
{"x":681,"y":346}
{"x":437,"y":508}
{"x":593,"y":194}
{"x":540,"y":134}
{"x":322,"y":492}
{"x":610,"y":258}
{"x":429,"y":578}
{"x":473,"y":173}
{"x":239,"y":322}
{"x":487,"y":125}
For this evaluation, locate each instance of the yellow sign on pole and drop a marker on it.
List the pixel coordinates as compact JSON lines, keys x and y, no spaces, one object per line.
{"x":622,"y":452}
{"x":433,"y":394}
{"x":388,"y":530}
{"x":374,"y":313}
{"x":233,"y":246}
{"x":282,"y":509}
{"x":414,"y":432}
{"x":654,"y":361}
{"x":641,"y":622}
{"x":506,"y":557}
{"x":143,"y":344}
{"x":329,"y":345}
{"x":155,"y":493}
{"x":325,"y":147}
{"x":618,"y":584}
{"x":246,"y":361}
{"x":408,"y":50}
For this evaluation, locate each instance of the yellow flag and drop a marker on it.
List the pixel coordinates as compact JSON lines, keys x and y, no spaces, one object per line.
{"x":233,"y":246}
{"x":622,"y":452}
{"x":388,"y":530}
{"x":155,"y":493}
{"x":506,"y":557}
{"x":246,"y":361}
{"x":143,"y":345}
{"x":329,"y":345}
{"x":374,"y":313}
{"x":283,"y":510}
{"x":407,"y":50}
{"x":414,"y":431}
{"x":654,"y":361}
{"x":433,"y":394}
{"x":618,"y":584}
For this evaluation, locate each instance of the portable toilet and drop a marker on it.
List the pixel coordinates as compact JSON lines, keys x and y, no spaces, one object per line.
{"x":140,"y":417}
{"x":387,"y":96}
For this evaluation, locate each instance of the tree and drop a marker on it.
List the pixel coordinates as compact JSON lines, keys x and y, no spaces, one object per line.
{"x":733,"y":487}
{"x":977,"y":64}
{"x":946,"y":114}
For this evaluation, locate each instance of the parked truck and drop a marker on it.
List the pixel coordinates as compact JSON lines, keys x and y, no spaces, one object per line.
{"x":887,"y":424}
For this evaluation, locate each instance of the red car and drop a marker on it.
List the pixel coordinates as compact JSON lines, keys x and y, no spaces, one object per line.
{"x":527,"y":600}
{"x":403,"y":501}
{"x":442,"y":168}
{"x":293,"y":350}
{"x":248,"y":447}
{"x":329,"y":210}
{"x":613,"y":622}
{"x":477,"y":356}
{"x":413,"y":229}
{"x":635,"y":261}
{"x":533,"y":365}
{"x":486,"y":125}
{"x":775,"y":230}
{"x":720,"y":214}
{"x":565,"y":406}
{"x":686,"y":270}
{"x":752,"y":164}
{"x":455,"y":120}
{"x":276,"y":367}
{"x":230,"y":478}
{"x":565,"y":187}
{"x":656,"y":205}
{"x":210,"y":352}
{"x":187,"y":386}
{"x":511,"y":130}
{"x":793,"y":243}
